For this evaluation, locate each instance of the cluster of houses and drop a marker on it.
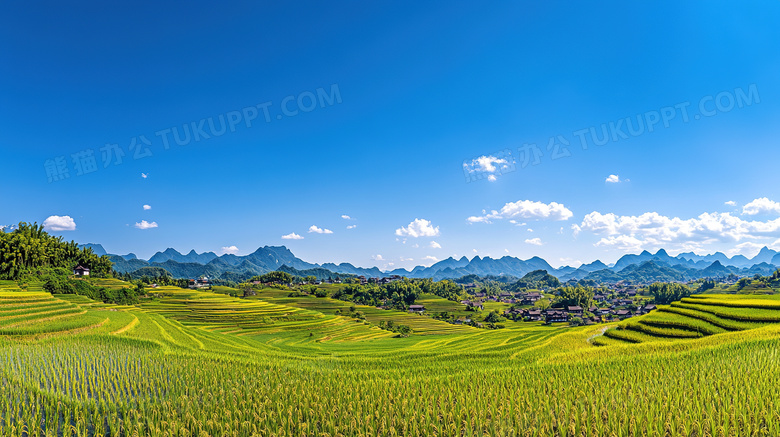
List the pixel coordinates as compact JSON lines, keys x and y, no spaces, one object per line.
{"x":201,"y":283}
{"x":558,"y":315}
{"x":386,"y":280}
{"x":528,"y":298}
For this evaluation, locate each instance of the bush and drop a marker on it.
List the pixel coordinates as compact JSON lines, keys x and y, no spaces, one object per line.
{"x":123,"y":296}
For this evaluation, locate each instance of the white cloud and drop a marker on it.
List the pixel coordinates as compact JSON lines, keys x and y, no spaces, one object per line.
{"x":431,"y":258}
{"x":506,"y":250}
{"x":652,"y":230}
{"x":625,"y":243}
{"x":377,"y":257}
{"x":147,"y":207}
{"x":346,"y":217}
{"x":418,"y":228}
{"x":730,"y":203}
{"x":406,"y":259}
{"x":317,"y":230}
{"x":59,"y":223}
{"x":747,"y":249}
{"x":434,"y":245}
{"x":529,"y":230}
{"x":351,"y":226}
{"x":292,"y":236}
{"x":526,"y":209}
{"x":761,"y":206}
{"x":613,"y":179}
{"x":145,"y":225}
{"x":488,"y":164}
{"x":534,"y":241}
{"x":570,"y":262}
{"x":230,"y":249}
{"x":144,"y":175}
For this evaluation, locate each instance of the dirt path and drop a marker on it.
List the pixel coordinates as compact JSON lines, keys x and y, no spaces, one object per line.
{"x":600,"y":333}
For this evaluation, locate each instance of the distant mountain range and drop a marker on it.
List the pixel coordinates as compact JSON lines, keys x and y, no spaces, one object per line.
{"x":643,"y":267}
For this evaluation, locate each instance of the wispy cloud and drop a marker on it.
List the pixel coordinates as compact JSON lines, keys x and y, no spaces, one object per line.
{"x":747,"y":248}
{"x":525,"y":209}
{"x":730,"y":203}
{"x":418,"y":228}
{"x":534,"y":241}
{"x":377,"y":257}
{"x":346,"y":217}
{"x":292,"y":236}
{"x":488,"y":164}
{"x":351,"y":226}
{"x":317,"y":230}
{"x":434,"y":245}
{"x":145,"y":225}
{"x":59,"y":223}
{"x":147,"y":207}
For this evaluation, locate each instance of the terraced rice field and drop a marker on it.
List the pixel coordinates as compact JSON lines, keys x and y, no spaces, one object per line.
{"x":200,"y":363}
{"x":697,"y":317}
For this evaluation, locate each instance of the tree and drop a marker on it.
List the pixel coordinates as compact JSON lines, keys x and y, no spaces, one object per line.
{"x":576,"y":296}
{"x":542,"y":304}
{"x":664,"y":293}
{"x":493,"y":317}
{"x":706,"y":285}
{"x":274,"y":278}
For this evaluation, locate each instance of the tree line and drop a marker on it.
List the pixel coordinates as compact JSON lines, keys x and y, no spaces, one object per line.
{"x":29,"y":250}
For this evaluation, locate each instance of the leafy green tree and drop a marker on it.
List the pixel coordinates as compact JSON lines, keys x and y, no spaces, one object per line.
{"x":576,"y":296}
{"x":664,"y":293}
{"x":542,"y":304}
{"x":493,"y":317}
{"x":274,"y":278}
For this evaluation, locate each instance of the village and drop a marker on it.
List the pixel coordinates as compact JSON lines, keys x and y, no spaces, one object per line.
{"x":615,"y":302}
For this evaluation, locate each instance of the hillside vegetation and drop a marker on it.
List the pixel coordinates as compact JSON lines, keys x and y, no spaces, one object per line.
{"x":29,"y":251}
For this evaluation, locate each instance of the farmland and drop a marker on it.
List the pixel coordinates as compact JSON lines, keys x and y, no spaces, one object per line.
{"x":187,"y":362}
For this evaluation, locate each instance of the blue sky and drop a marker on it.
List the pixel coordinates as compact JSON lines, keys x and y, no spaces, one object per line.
{"x":404,"y":95}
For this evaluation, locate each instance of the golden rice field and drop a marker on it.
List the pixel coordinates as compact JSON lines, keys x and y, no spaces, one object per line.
{"x":195,"y":363}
